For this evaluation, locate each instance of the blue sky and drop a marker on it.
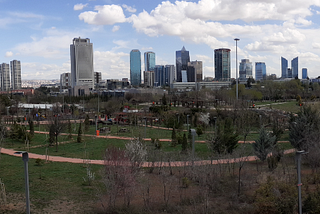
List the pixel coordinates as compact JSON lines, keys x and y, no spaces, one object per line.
{"x":39,"y":33}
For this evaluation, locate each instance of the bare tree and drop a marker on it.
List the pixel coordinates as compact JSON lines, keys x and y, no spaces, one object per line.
{"x":56,"y":125}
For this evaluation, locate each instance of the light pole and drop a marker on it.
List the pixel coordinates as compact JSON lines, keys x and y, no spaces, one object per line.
{"x":25,"y":158}
{"x":145,"y":127}
{"x":188,"y":123}
{"x":215,"y":126}
{"x":237,"y":93}
{"x":298,"y":158}
{"x":193,"y":133}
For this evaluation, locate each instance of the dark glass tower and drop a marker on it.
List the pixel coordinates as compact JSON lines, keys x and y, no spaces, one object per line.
{"x":261,"y":71}
{"x":222,"y":64}
{"x":284,"y":66}
{"x":149,"y":61}
{"x":294,"y":67}
{"x":182,"y":59}
{"x":135,"y":67}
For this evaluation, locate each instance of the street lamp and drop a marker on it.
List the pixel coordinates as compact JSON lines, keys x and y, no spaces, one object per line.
{"x":237,"y":93}
{"x":188,"y":122}
{"x":25,"y":158}
{"x":193,"y":133}
{"x":215,"y":126}
{"x":298,"y":158}
{"x":145,"y":127}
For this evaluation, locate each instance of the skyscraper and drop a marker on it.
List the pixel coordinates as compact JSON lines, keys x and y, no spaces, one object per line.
{"x":197,"y":67}
{"x":182,"y":59}
{"x":284,"y":66}
{"x":245,"y":69}
{"x":148,"y":78}
{"x":222,"y":64}
{"x":304,"y":73}
{"x":293,"y":71}
{"x":81,"y":54}
{"x":5,"y":77}
{"x":15,"y":67}
{"x":135,"y":67}
{"x":159,"y":75}
{"x":169,"y":74}
{"x":294,"y":68}
{"x":261,"y":71}
{"x":149,"y":61}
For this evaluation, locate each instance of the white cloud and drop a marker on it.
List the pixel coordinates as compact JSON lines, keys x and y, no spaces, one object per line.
{"x":9,"y":54}
{"x":113,"y":65}
{"x":79,"y":6}
{"x":115,"y":28}
{"x":129,"y":9}
{"x":33,"y":70}
{"x":55,"y":45}
{"x":106,"y":15}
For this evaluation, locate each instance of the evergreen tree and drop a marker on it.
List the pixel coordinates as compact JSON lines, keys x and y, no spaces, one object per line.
{"x":264,"y":144}
{"x":173,"y":137}
{"x":79,"y":138}
{"x":69,"y":129}
{"x":31,"y":127}
{"x":51,"y":135}
{"x":164,"y":100}
{"x":184,"y":145}
{"x":302,"y":127}
{"x":86,"y":123}
{"x":225,"y":140}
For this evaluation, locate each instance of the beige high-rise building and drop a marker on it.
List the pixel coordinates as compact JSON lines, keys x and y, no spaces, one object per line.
{"x":15,"y":67}
{"x":81,"y":54}
{"x":5,"y":77}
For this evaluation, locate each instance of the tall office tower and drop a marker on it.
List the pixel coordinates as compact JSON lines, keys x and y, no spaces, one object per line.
{"x":149,"y":61}
{"x":5,"y":77}
{"x":289,"y":73}
{"x":304,"y":73}
{"x":159,"y":75}
{"x":197,"y":67}
{"x":261,"y":71}
{"x":182,"y":59}
{"x":284,"y":66}
{"x":81,"y":54}
{"x":15,"y":67}
{"x":148,"y":78}
{"x":65,"y":80}
{"x":169,"y":74}
{"x":245,"y":69}
{"x":97,"y":77}
{"x":222,"y":64}
{"x":135,"y":67}
{"x":294,"y":68}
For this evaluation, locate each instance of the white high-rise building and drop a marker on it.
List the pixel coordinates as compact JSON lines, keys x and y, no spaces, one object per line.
{"x":15,"y":67}
{"x":5,"y":77}
{"x":81,"y":54}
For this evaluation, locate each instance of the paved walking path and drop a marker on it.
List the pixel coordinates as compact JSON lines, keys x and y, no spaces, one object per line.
{"x":145,"y":164}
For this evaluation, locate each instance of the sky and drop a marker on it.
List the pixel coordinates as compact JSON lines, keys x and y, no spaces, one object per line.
{"x":39,"y":33}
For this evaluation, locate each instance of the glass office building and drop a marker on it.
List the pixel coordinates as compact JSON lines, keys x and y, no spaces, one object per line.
{"x":149,"y":61}
{"x":182,"y":59}
{"x":284,"y":66}
{"x":135,"y":67}
{"x":261,"y":71}
{"x":245,"y":69}
{"x":304,"y":73}
{"x":222,"y":64}
{"x":294,"y":67}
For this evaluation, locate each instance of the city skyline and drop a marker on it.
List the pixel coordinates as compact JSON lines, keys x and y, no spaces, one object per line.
{"x":39,"y":36}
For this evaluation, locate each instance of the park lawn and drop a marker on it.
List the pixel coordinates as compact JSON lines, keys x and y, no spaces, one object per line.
{"x":287,"y":107}
{"x":91,"y":148}
{"x":50,"y":181}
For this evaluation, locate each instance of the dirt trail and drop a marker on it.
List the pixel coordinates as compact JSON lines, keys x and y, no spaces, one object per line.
{"x":145,"y":164}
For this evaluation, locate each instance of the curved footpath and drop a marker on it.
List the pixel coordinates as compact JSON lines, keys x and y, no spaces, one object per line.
{"x":145,"y":164}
